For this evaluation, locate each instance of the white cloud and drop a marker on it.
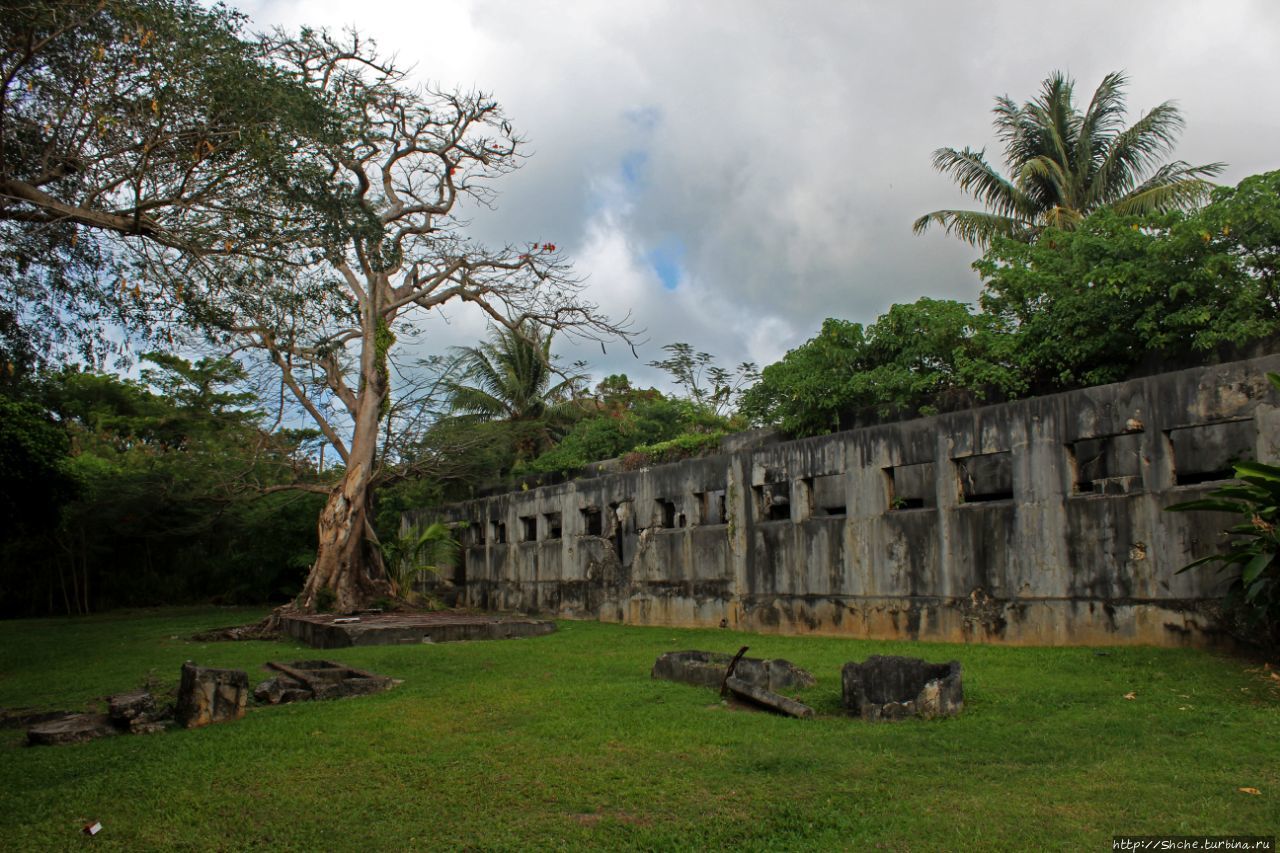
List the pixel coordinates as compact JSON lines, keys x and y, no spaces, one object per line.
{"x":787,"y":147}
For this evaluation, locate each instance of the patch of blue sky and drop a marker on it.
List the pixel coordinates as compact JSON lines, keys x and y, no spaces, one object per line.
{"x":667,"y":261}
{"x":635,"y":167}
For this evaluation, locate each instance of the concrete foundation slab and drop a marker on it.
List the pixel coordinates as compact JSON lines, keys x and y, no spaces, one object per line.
{"x":328,"y":631}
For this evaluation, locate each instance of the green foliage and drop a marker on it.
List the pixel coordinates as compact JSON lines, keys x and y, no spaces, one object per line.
{"x":156,"y":119}
{"x":622,"y":420}
{"x":684,"y":446}
{"x":1077,"y":307}
{"x":325,"y":598}
{"x":383,"y":340}
{"x":513,"y":378}
{"x":1086,"y":306}
{"x":1253,"y":553}
{"x":419,"y":551}
{"x":1064,"y":164}
{"x":932,"y":353}
{"x":145,"y":492}
{"x":703,"y":382}
{"x":33,"y":465}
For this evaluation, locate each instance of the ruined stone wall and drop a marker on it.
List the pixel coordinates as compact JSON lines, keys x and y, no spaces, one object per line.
{"x":1039,"y":521}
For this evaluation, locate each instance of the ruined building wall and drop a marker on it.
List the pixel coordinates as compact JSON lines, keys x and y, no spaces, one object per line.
{"x":1038,"y":521}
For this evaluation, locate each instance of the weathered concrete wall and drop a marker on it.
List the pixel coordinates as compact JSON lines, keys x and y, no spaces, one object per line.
{"x":1040,"y":521}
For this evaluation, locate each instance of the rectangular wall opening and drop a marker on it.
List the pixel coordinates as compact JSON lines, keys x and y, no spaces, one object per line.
{"x":911,"y":486}
{"x":1203,"y":454}
{"x":552,"y":520}
{"x":1107,"y":465}
{"x":986,"y":477}
{"x":773,"y":502}
{"x":827,"y":495}
{"x":499,"y":531}
{"x":665,"y":512}
{"x":711,"y":507}
{"x":619,"y":514}
{"x":476,"y":532}
{"x":528,"y":528}
{"x":592,"y":521}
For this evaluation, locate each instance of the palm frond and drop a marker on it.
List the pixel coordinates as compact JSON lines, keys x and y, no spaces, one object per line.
{"x":975,"y":176}
{"x":1103,"y":119}
{"x":975,"y":227}
{"x":1174,"y":186}
{"x":1135,"y":151}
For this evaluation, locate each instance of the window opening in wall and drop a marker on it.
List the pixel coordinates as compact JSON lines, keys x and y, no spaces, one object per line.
{"x":592,"y":521}
{"x":1107,"y":465}
{"x":499,"y":532}
{"x":986,"y":477}
{"x":773,"y":502}
{"x":666,"y":512}
{"x":1205,"y":453}
{"x":910,"y":486}
{"x":711,"y":507}
{"x":476,"y":530}
{"x":528,"y":528}
{"x":827,"y":495}
{"x":553,"y":524}
{"x":618,"y":525}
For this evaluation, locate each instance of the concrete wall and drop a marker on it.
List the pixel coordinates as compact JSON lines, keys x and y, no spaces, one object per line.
{"x":1040,"y":521}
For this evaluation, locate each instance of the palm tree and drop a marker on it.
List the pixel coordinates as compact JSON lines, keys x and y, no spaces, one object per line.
{"x":1063,"y":165}
{"x":512,"y":377}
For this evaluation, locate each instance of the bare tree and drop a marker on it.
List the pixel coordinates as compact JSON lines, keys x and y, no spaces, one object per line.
{"x":387,"y":245}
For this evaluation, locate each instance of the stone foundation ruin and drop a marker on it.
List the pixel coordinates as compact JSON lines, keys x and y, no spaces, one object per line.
{"x":897,"y":688}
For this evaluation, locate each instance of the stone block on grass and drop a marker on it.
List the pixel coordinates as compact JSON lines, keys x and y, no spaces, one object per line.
{"x":72,"y":728}
{"x":896,"y":688}
{"x":208,"y":695}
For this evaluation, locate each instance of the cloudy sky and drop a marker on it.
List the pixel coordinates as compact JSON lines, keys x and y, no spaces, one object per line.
{"x":731,"y":173}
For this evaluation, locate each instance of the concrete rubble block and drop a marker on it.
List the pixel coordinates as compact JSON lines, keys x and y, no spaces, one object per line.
{"x":72,"y":728}
{"x":706,"y":669}
{"x":897,"y":688}
{"x":132,"y":710}
{"x":281,"y":690}
{"x":767,"y":699}
{"x":303,"y":680}
{"x":211,"y":695}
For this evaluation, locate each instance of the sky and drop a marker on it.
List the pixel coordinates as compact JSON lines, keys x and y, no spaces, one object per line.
{"x":729,"y":174}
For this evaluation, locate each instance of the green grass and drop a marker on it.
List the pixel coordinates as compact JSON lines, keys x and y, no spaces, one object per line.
{"x":564,"y":741}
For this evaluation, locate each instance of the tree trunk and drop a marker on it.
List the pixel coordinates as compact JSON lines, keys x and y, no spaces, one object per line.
{"x":346,"y":565}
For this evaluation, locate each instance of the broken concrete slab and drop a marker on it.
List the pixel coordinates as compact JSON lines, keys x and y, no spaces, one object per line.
{"x":896,"y":688}
{"x":71,"y":728}
{"x":318,"y":679}
{"x":766,"y":698}
{"x":209,"y":695}
{"x":707,"y":669}
{"x":280,"y":690}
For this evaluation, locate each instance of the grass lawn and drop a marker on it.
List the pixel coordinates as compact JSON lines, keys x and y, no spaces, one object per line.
{"x":565,"y":741}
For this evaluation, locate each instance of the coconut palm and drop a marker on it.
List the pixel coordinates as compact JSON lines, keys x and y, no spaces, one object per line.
{"x":1064,"y":164}
{"x":512,"y":377}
